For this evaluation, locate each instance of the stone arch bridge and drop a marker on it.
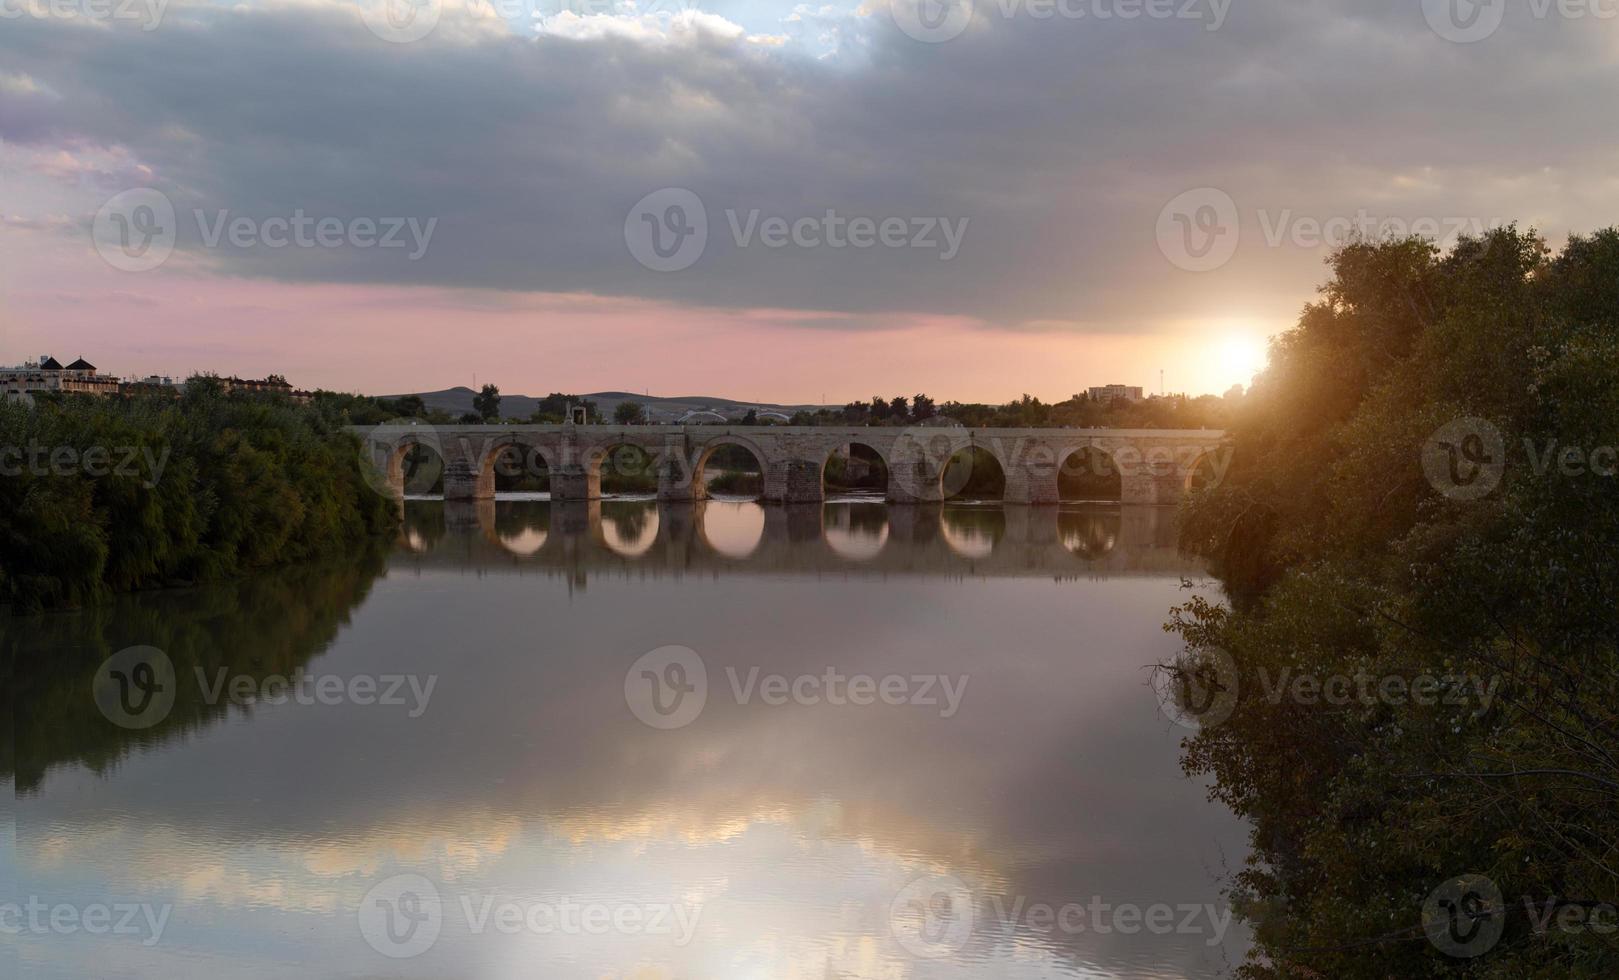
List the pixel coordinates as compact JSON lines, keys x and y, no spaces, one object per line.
{"x":1156,"y":466}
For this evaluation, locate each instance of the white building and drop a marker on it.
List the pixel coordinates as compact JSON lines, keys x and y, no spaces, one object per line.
{"x":48,"y":375}
{"x":1108,"y":393}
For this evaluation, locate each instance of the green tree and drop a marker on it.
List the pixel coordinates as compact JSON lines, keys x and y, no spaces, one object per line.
{"x":629,"y":413}
{"x":487,"y":403}
{"x":1343,"y":556}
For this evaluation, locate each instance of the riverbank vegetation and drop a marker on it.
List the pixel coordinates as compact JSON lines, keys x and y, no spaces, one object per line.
{"x":1345,"y":557}
{"x":107,"y":495}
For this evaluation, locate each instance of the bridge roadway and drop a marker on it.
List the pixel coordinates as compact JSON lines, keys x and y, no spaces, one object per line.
{"x":1156,"y":466}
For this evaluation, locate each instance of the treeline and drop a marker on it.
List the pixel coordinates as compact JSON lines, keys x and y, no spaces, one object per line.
{"x":1346,"y":557}
{"x":1028,"y":412}
{"x":106,"y":495}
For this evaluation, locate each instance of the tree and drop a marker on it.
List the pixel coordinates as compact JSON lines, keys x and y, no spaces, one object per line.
{"x":629,"y":413}
{"x":900,"y":408}
{"x":1344,"y":555}
{"x":487,"y":403}
{"x":921,"y":407}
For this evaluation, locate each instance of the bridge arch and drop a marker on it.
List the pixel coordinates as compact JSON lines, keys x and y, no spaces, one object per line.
{"x":843,"y":470}
{"x":1089,"y":474}
{"x":973,"y":472}
{"x":1205,"y":471}
{"x":414,"y":466}
{"x":722,"y":445}
{"x":515,"y":462}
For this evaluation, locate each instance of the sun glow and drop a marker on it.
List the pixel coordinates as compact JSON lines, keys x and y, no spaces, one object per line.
{"x":1240,"y":357}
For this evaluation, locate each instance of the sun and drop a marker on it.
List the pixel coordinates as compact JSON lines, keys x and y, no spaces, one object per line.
{"x":1240,"y":357}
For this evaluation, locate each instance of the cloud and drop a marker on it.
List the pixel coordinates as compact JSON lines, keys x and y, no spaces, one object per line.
{"x":1059,"y":140}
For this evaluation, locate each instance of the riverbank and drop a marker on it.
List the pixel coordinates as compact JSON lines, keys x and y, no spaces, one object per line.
{"x":105,"y":495}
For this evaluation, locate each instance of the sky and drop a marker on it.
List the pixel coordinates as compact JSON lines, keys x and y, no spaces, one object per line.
{"x":770,"y":201}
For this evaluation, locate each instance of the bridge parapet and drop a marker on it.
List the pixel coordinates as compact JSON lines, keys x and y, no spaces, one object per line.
{"x":1155,"y":466}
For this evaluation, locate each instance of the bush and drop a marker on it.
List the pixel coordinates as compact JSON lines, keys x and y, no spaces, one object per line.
{"x":185,"y":490}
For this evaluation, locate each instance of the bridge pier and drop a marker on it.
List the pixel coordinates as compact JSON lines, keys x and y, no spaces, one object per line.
{"x":793,"y":481}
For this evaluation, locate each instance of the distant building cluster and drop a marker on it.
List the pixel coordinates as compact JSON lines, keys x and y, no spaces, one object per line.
{"x":1112,"y":393}
{"x":47,"y":375}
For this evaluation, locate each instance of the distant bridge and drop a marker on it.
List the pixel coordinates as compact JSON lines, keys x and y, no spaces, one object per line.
{"x":1156,"y":466}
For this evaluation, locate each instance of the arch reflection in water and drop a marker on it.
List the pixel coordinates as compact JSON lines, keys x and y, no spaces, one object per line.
{"x":856,"y":530}
{"x":733,"y":528}
{"x":629,"y":527}
{"x":1089,"y":531}
{"x":860,"y":537}
{"x":972,"y":531}
{"x":522,"y":526}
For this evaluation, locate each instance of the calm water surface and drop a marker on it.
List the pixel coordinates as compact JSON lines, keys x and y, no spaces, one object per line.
{"x":998,"y":811}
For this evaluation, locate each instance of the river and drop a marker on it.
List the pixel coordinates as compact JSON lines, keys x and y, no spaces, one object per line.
{"x":709,"y":741}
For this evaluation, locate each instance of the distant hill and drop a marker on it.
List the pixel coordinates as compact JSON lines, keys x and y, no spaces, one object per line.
{"x":458,"y":401}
